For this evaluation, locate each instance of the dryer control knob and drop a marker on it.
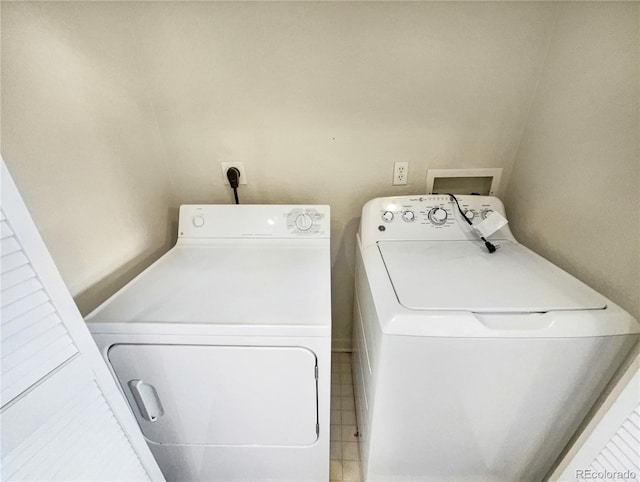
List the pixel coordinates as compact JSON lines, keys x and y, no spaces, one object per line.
{"x":408,"y":216}
{"x":304,"y":222}
{"x":469,"y":214}
{"x":438,"y":216}
{"x":198,"y":221}
{"x":387,"y":216}
{"x":486,"y":213}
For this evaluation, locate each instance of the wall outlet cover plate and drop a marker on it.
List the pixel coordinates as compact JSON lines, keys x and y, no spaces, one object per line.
{"x":239,"y":165}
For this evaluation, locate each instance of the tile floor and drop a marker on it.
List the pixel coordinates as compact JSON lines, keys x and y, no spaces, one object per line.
{"x":345,"y":458}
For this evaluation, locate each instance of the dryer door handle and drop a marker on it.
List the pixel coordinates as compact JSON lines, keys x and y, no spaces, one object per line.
{"x":146,"y":399}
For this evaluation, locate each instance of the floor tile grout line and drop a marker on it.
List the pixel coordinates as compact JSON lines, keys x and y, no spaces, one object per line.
{"x":344,"y":451}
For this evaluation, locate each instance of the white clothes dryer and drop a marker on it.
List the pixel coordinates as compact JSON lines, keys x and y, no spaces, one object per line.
{"x":223,"y":346}
{"x":470,"y":365}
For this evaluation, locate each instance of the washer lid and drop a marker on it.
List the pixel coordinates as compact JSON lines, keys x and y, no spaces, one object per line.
{"x":462,"y":275}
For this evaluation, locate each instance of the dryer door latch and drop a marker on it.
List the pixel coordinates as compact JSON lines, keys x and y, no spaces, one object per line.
{"x":146,"y":399}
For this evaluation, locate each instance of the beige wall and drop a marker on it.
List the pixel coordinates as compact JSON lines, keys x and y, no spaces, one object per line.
{"x":115,"y":113}
{"x":574,"y":192}
{"x":319,"y":99}
{"x":81,"y":141}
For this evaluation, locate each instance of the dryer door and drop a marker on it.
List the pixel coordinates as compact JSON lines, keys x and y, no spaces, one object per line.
{"x":220,"y":395}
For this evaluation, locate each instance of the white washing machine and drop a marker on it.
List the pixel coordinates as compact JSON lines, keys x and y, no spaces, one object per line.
{"x":470,"y":365}
{"x":222,"y":347}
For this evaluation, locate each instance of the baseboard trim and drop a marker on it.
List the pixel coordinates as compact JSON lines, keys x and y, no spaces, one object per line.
{"x":341,"y":345}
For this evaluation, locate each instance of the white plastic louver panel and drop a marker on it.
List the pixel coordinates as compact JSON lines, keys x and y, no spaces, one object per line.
{"x":609,"y":448}
{"x":66,"y":432}
{"x":34,"y":339}
{"x":62,"y":415}
{"x":622,"y":452}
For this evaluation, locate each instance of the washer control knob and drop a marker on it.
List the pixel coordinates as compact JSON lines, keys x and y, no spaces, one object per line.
{"x":469,"y":214}
{"x":486,"y":213}
{"x":438,"y":216}
{"x":387,"y":216}
{"x":304,"y":222}
{"x":408,"y":216}
{"x":198,"y":221}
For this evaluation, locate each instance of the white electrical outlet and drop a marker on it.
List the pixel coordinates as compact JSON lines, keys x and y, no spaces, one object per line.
{"x":400,"y":173}
{"x":238,"y":165}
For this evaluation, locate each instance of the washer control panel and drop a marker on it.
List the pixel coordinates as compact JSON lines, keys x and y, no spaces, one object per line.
{"x":432,"y":216}
{"x":253,"y":221}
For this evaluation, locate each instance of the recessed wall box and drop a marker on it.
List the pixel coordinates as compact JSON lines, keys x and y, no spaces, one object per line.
{"x":464,"y":181}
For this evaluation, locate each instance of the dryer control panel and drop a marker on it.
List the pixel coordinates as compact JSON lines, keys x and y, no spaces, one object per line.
{"x":254,"y":221}
{"x":427,"y":217}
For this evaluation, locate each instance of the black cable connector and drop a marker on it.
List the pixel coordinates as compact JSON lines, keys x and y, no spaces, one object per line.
{"x":489,"y":245}
{"x":233,"y":175}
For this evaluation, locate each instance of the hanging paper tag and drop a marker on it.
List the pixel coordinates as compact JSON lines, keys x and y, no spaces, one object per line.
{"x":491,"y":224}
